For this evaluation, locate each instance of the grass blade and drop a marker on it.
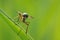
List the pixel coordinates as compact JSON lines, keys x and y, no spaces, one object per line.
{"x":15,"y":27}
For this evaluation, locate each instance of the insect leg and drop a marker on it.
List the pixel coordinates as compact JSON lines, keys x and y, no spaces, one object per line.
{"x":26,"y":29}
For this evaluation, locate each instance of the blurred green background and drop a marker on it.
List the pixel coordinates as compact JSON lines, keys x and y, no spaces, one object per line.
{"x":44,"y":26}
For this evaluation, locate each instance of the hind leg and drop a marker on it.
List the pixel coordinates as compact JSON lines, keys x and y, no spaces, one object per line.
{"x":26,"y":24}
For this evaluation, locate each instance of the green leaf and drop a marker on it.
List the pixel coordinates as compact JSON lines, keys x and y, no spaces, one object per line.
{"x":14,"y":26}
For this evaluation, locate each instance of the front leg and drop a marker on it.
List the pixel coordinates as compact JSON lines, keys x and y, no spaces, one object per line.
{"x":18,"y":20}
